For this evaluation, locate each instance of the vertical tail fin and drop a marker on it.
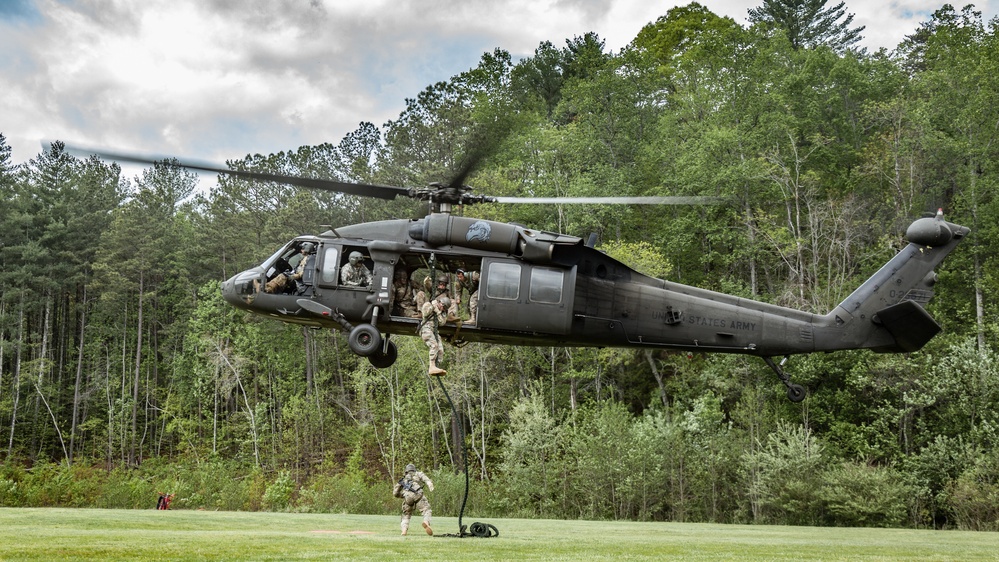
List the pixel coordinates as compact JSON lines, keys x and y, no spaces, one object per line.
{"x":886,"y":313}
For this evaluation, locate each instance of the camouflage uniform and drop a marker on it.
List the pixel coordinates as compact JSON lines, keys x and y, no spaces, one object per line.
{"x":433,"y":315}
{"x":410,"y":489}
{"x":443,"y":290}
{"x":404,"y":296}
{"x":469,"y":281}
{"x":355,"y":273}
{"x":422,"y":295}
{"x":281,"y":279}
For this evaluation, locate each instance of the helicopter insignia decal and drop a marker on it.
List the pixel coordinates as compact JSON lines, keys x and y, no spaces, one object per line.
{"x":479,"y":231}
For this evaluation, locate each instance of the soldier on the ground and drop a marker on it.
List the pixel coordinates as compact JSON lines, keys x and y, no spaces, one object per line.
{"x":355,"y":273}
{"x":410,"y":489}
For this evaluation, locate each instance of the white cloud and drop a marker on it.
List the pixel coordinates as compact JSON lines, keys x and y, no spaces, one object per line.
{"x":217,"y":79}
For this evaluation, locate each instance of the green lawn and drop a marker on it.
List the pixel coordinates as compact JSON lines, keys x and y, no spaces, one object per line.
{"x":92,"y":534}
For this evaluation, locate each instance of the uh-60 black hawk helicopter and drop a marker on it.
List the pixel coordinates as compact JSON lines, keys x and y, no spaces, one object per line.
{"x":543,"y":288}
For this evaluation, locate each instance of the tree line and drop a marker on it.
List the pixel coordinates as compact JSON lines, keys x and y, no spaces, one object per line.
{"x":120,"y":363}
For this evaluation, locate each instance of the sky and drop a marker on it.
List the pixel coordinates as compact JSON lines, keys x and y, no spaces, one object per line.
{"x":219,"y":79}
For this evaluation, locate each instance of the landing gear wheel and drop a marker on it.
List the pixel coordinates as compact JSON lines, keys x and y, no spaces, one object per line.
{"x":384,"y":360}
{"x":795,"y":392}
{"x":364,"y":340}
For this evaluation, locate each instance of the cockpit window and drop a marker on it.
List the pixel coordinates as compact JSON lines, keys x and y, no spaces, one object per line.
{"x":291,"y":269}
{"x":284,"y":259}
{"x":270,"y":261}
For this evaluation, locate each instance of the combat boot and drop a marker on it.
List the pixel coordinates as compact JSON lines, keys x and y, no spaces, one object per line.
{"x":436,"y":371}
{"x":426,"y":526}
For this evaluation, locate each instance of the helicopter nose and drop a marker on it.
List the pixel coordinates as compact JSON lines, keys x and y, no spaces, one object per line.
{"x":228,"y":293}
{"x":239,"y":289}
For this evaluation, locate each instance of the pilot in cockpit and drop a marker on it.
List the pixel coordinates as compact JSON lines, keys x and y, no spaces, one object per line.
{"x":285,"y":281}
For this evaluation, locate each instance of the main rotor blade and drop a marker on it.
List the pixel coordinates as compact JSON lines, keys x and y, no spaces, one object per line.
{"x":483,"y":141}
{"x":361,"y":189}
{"x":649,"y":200}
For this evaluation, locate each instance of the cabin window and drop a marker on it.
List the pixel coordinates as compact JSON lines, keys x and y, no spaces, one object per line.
{"x":503,"y":281}
{"x":546,"y":285}
{"x":330,"y":272}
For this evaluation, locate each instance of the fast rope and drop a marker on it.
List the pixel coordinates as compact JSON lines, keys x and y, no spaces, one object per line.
{"x":483,"y":530}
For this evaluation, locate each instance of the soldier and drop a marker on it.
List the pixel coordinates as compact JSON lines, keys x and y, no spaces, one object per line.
{"x":434,"y":314}
{"x":423,"y":294}
{"x":280,"y":280}
{"x":355,"y":273}
{"x":410,"y":489}
{"x":443,"y":287}
{"x":469,"y":281}
{"x":404,"y":295}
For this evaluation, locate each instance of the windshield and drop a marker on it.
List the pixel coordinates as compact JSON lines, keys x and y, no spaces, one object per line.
{"x":270,"y":261}
{"x":286,"y":258}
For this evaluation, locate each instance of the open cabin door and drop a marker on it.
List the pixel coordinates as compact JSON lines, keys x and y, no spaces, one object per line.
{"x":514,"y":295}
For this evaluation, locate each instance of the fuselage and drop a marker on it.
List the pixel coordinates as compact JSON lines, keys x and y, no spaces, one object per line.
{"x":540,"y":288}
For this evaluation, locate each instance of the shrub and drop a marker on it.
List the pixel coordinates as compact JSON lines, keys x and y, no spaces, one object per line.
{"x":856,"y":495}
{"x":783,"y":477}
{"x":974,"y":496}
{"x":278,"y":494}
{"x":344,"y":493}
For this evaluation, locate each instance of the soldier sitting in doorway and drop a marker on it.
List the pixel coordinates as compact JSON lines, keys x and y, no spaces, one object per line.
{"x":469,"y":281}
{"x":404,"y":294}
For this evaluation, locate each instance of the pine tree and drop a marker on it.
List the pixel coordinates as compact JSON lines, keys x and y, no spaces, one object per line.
{"x":809,"y":23}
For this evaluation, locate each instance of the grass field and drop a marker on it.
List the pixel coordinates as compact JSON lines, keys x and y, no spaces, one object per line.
{"x":94,"y":534}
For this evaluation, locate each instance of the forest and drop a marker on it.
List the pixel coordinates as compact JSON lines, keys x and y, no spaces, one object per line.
{"x":123,"y":372}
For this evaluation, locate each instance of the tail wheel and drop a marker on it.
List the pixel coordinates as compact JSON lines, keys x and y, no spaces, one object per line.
{"x":364,"y":340}
{"x":796,"y":392}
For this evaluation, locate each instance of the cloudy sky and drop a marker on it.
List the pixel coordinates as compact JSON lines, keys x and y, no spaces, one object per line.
{"x":219,"y":79}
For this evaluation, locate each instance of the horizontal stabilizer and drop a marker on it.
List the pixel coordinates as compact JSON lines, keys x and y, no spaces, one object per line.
{"x":909,"y":324}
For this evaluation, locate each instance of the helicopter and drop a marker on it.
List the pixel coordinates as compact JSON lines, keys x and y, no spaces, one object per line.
{"x":539,"y":288}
